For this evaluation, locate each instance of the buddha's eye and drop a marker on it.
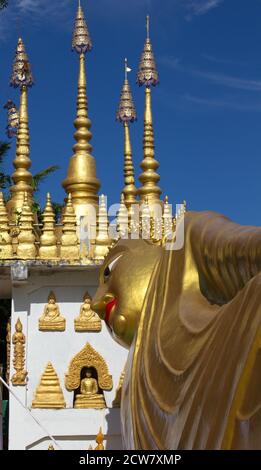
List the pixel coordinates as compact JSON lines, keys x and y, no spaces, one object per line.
{"x":109,"y":268}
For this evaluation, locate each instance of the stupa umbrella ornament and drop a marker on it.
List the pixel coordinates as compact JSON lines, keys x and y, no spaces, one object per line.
{"x":21,"y":78}
{"x":126,"y":114}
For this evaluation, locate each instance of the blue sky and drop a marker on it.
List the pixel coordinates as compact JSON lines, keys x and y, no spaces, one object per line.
{"x":207,"y":109}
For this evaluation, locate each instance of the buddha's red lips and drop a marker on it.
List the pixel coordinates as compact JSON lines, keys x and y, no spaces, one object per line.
{"x":108,"y":309}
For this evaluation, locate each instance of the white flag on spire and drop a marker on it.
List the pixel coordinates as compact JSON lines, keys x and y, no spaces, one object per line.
{"x":128,"y":69}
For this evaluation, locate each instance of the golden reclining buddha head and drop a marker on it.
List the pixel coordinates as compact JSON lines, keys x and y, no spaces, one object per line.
{"x":124,"y":280}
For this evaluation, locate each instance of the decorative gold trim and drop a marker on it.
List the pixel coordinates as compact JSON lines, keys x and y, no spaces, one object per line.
{"x":19,"y":340}
{"x":49,"y":393}
{"x":88,"y":357}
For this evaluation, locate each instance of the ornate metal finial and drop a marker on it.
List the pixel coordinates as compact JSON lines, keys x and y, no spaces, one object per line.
{"x":22,"y":74}
{"x":147,"y":74}
{"x":126,"y":114}
{"x":22,"y":178}
{"x":126,"y":111}
{"x":12,"y":119}
{"x":81,"y":180}
{"x":81,"y":42}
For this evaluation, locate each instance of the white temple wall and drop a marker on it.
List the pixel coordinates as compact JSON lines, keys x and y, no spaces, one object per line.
{"x":75,"y":428}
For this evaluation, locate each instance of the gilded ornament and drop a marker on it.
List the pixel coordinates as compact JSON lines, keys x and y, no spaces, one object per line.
{"x":90,"y":395}
{"x":51,"y":319}
{"x":88,"y":320}
{"x":126,"y":114}
{"x":48,"y":240}
{"x":103,"y":241}
{"x":18,"y":340}
{"x":148,"y":75}
{"x":81,"y":181}
{"x":12,"y":119}
{"x":69,"y":239}
{"x":6,"y":250}
{"x":26,"y":248}
{"x":100,"y":441}
{"x":22,"y":78}
{"x":49,"y":393}
{"x":122,"y":219}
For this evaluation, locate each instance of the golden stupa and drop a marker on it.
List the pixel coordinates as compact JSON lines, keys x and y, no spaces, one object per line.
{"x":49,"y":393}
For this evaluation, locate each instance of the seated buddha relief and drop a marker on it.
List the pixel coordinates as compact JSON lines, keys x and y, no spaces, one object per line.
{"x":90,"y":396}
{"x":51,"y":319}
{"x":88,"y":320}
{"x":88,"y":378}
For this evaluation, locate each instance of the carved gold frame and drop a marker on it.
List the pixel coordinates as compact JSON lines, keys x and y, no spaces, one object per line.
{"x":88,"y":357}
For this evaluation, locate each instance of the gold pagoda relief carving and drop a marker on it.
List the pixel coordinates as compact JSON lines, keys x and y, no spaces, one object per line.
{"x":49,"y":393}
{"x":88,"y":377}
{"x":19,"y":340}
{"x":51,"y":319}
{"x":88,"y":320}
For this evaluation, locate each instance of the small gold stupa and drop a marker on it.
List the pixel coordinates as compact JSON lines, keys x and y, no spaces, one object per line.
{"x":49,"y":393}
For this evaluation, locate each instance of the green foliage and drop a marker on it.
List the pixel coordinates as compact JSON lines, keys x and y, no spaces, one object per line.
{"x":3,"y":4}
{"x":41,"y":176}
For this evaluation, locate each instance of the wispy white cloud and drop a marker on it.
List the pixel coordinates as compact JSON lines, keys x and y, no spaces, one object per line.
{"x":216,"y":78}
{"x":200,"y":7}
{"x":223,"y":104}
{"x":229,"y":81}
{"x":220,"y":60}
{"x":172,"y":62}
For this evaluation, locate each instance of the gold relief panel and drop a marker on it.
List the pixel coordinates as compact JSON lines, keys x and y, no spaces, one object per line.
{"x":18,"y":340}
{"x":51,"y":319}
{"x":88,"y":320}
{"x":88,"y":377}
{"x":49,"y":393}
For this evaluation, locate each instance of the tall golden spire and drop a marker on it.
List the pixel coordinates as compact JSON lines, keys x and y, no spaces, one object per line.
{"x":148,"y":76}
{"x":81,"y":181}
{"x":126,"y":114}
{"x":21,"y":78}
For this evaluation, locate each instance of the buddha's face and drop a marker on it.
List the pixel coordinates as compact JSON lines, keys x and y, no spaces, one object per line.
{"x":88,"y":374}
{"x":124,"y":280}
{"x":52,"y":301}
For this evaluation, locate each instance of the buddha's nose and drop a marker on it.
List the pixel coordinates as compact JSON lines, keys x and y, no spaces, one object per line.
{"x":99,"y":306}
